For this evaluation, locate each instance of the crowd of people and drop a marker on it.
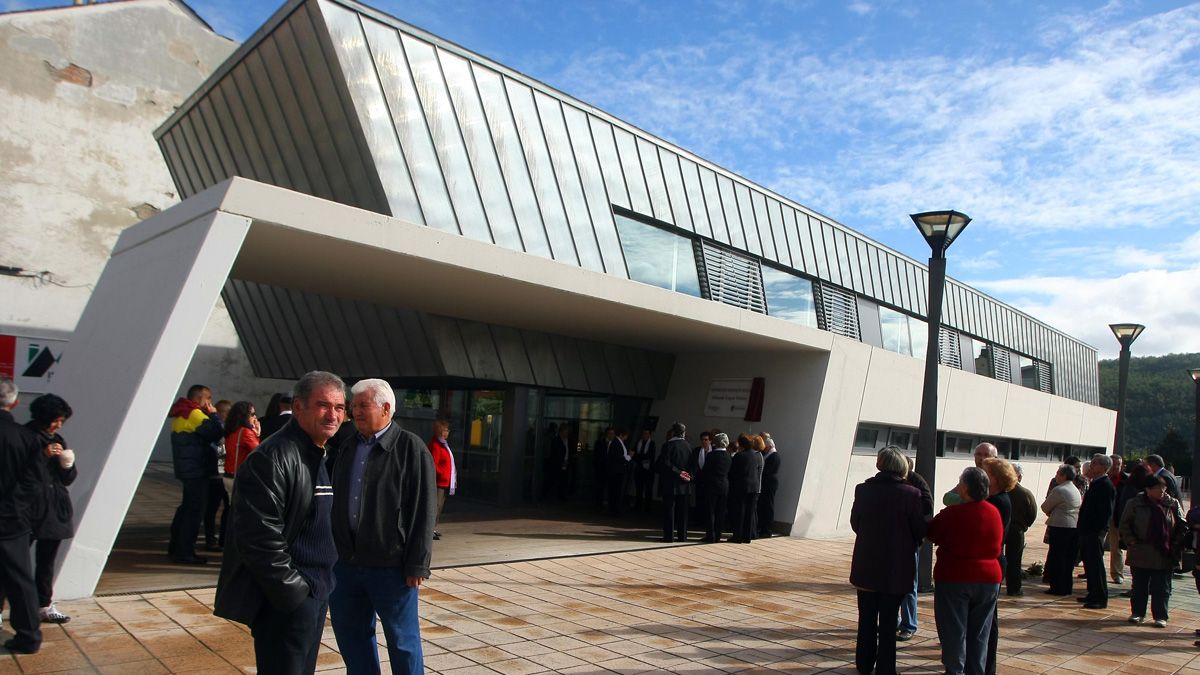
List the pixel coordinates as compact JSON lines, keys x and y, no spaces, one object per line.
{"x":731,"y":484}
{"x":1134,"y":510}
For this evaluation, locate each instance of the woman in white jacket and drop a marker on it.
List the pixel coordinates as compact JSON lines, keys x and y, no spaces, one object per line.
{"x":1062,"y":507}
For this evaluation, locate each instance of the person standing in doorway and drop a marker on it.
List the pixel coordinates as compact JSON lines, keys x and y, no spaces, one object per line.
{"x":600,"y":466}
{"x":277,"y":571}
{"x":619,"y":457}
{"x":443,"y":465}
{"x":644,"y":456}
{"x":745,"y":483}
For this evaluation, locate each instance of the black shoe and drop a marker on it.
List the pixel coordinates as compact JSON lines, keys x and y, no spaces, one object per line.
{"x":1081,"y":598}
{"x":437,"y":535}
{"x":193,"y":560}
{"x":1016,"y":594}
{"x":215,"y":548}
{"x":21,"y":648}
{"x":1095,"y":605}
{"x":905,"y":635}
{"x":1126,"y":594}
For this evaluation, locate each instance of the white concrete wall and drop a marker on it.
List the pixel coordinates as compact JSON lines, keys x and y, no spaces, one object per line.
{"x":81,"y":91}
{"x":815,"y":401}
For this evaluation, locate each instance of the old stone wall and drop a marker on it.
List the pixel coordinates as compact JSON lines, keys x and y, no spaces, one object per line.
{"x":81,"y":91}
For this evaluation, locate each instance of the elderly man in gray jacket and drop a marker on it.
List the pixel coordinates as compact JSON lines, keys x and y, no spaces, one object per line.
{"x":384,"y":508}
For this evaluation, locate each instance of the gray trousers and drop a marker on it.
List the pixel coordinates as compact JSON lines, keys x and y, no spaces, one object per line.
{"x":963,"y":613}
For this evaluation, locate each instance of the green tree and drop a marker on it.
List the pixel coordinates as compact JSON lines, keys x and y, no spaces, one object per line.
{"x":1175,"y":452}
{"x":1160,"y":396}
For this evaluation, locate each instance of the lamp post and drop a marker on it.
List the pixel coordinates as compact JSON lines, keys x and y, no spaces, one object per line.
{"x":940,"y":229}
{"x":1195,"y":486}
{"x":1126,"y":333}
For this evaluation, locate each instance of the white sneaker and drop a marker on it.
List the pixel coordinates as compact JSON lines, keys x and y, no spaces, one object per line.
{"x":1135,"y":619}
{"x":1160,"y":623}
{"x":52,"y":615}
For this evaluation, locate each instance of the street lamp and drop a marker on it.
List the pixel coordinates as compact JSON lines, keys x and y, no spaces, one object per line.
{"x":1126,"y":333}
{"x":1195,"y":373}
{"x":940,"y":229}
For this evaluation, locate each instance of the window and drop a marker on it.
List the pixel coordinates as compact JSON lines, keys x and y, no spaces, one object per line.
{"x":983,"y":360}
{"x":789,"y":297}
{"x":1042,"y":452}
{"x":902,"y":439}
{"x":658,"y":257}
{"x":867,"y":438}
{"x":902,"y":333}
{"x":959,"y":445}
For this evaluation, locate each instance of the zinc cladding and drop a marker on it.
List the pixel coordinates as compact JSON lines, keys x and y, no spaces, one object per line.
{"x":338,"y":100}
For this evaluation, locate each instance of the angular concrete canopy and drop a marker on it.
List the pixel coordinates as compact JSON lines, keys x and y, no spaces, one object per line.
{"x":144,"y":320}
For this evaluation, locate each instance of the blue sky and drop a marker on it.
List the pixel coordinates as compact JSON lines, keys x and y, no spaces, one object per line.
{"x":1069,"y":131}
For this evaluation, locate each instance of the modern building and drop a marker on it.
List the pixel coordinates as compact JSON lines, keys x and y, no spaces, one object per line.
{"x":370,"y":199}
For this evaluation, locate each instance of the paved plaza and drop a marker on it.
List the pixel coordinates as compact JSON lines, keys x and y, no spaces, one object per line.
{"x":774,"y":605}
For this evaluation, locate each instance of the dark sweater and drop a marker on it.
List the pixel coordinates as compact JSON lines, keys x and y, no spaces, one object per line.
{"x":314,"y":551}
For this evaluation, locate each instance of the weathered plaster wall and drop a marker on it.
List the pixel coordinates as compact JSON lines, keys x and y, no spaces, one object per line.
{"x":81,"y":90}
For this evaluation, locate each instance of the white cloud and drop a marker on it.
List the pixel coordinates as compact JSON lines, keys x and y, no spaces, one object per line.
{"x":1083,"y":307}
{"x":860,"y":8}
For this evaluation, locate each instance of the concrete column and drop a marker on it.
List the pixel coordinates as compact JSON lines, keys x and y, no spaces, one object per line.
{"x":127,"y":357}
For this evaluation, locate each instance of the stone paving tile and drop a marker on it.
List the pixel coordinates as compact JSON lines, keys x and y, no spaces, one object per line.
{"x":692,"y":609}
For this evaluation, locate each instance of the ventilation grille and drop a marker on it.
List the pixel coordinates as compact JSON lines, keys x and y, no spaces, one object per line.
{"x":949,"y":351}
{"x":730,"y":278}
{"x":1043,"y":377}
{"x":1001,"y":364}
{"x":837,"y":310}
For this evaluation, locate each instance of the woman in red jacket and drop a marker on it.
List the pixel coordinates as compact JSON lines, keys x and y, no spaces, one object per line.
{"x":967,"y":575}
{"x":443,"y":466}
{"x":241,"y":438}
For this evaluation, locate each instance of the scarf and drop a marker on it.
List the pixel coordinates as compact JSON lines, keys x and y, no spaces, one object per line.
{"x":1159,"y":531}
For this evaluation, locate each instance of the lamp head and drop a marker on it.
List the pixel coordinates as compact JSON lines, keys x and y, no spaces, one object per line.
{"x":1126,"y":332}
{"x":940,"y":228}
{"x":1195,"y":373}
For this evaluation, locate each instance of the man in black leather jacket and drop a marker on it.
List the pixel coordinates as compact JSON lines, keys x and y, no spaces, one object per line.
{"x":277,"y":572}
{"x":383,"y":519}
{"x":21,"y":475}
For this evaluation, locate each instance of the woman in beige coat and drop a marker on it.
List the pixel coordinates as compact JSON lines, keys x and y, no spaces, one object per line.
{"x":1153,"y":530}
{"x":1062,"y":508}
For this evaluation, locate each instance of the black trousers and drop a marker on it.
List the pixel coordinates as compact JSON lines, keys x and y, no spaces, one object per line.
{"x":877,"y":617}
{"x":766,"y":511}
{"x":616,"y":494}
{"x":1092,"y":546}
{"x":218,"y":499}
{"x":713,"y":507}
{"x":675,"y":515}
{"x":743,"y":514}
{"x":1014,"y":549}
{"x":16,"y":575}
{"x":1153,"y":585}
{"x":286,"y":643}
{"x":643,"y":487}
{"x":186,"y":524}
{"x":1060,"y":559}
{"x":44,"y":555}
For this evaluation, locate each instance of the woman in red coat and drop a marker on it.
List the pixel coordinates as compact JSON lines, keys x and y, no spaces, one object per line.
{"x":443,"y":466}
{"x":241,"y":438}
{"x":967,"y":574}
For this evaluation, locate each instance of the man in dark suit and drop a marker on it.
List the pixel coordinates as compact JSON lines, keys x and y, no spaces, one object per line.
{"x":558,"y":461}
{"x":644,"y":456}
{"x":600,"y":465}
{"x":745,"y":484}
{"x":21,"y":505}
{"x":714,"y":486}
{"x":770,"y":484}
{"x":275,"y":422}
{"x":1095,"y":515}
{"x":1157,"y":468}
{"x":675,"y":480}
{"x":617,"y":466}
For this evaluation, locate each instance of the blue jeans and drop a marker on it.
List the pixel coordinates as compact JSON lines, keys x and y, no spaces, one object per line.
{"x":908,"y":606}
{"x":362,"y":593}
{"x":963,"y":613}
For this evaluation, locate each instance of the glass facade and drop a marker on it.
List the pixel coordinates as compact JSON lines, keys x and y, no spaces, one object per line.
{"x":408,"y":124}
{"x":658,"y":257}
{"x":789,"y":297}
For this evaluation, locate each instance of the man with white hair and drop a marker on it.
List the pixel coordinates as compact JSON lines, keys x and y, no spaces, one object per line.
{"x":20,"y":477}
{"x":383,"y":518}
